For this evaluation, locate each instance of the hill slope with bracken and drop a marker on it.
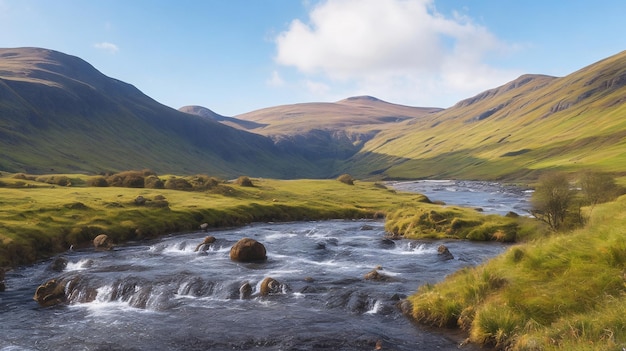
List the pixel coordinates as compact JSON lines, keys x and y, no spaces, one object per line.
{"x":532,"y":124}
{"x":59,"y":114}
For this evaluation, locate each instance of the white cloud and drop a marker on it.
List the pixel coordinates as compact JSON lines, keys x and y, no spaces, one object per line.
{"x":394,"y":47}
{"x":106,"y":46}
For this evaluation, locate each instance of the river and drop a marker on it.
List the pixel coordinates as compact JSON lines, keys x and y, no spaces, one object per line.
{"x":163,"y":295}
{"x":490,"y":197}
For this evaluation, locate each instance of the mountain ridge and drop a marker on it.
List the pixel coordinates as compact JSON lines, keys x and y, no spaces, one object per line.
{"x":59,"y":113}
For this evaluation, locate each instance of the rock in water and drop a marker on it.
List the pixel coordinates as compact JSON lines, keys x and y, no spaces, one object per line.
{"x":102,"y":243}
{"x":207,"y":241}
{"x":270,"y":286}
{"x":248,"y":250}
{"x":444,"y":253}
{"x":50,"y":293}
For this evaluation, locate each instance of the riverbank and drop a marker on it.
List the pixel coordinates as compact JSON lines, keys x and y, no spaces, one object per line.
{"x":39,"y":220}
{"x":565,"y":291}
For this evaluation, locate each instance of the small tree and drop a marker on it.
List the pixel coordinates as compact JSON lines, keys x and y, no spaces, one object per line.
{"x":551,"y":200}
{"x":346,"y":179}
{"x":597,"y":187}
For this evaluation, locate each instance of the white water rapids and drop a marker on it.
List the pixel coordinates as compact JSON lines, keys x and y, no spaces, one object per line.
{"x":162,"y":295}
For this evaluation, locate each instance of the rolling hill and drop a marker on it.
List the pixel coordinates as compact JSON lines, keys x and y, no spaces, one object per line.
{"x":58,"y":113}
{"x":519,"y":130}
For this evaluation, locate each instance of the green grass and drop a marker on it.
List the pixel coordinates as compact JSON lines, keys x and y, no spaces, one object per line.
{"x":38,"y":220}
{"x":562,"y":292}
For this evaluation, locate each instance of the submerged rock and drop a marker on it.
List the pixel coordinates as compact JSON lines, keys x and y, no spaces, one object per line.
{"x":58,"y":265}
{"x":376,"y":275}
{"x":207,"y":241}
{"x":248,"y":250}
{"x":245,"y":291}
{"x":444,"y":253}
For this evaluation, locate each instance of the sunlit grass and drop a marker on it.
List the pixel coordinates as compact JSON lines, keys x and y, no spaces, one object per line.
{"x":563,"y":292}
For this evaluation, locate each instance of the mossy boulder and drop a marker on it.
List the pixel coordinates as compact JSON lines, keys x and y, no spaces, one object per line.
{"x":248,"y":250}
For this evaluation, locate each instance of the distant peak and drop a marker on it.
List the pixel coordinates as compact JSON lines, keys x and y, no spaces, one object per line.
{"x":363,"y":98}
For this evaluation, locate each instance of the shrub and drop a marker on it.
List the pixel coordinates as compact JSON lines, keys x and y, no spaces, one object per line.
{"x":55,"y":180}
{"x":177,"y":184}
{"x":346,"y":179}
{"x":153,"y":182}
{"x":203,"y":182}
{"x":98,"y":181}
{"x":244,"y":181}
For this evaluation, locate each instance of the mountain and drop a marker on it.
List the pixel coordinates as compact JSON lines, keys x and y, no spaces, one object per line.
{"x":59,"y":114}
{"x":519,"y":130}
{"x":326,"y":134}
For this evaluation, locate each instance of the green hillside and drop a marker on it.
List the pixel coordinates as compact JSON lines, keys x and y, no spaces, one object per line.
{"x":59,"y":114}
{"x":532,"y":124}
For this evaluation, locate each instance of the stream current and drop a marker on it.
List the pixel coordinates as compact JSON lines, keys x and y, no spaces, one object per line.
{"x":163,"y":295}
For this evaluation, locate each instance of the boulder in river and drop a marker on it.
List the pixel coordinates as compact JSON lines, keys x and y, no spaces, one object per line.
{"x":270,"y":286}
{"x":205,"y":244}
{"x":245,"y":291}
{"x":376,"y":275}
{"x":50,"y":293}
{"x":444,"y":253}
{"x":102,"y":243}
{"x":248,"y":250}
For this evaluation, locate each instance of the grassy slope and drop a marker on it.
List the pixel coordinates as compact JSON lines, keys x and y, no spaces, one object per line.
{"x":532,"y":124}
{"x":58,"y":112}
{"x":564,"y":292}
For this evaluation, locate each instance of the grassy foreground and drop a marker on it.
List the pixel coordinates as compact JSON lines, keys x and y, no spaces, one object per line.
{"x":38,"y":220}
{"x":562,"y":292}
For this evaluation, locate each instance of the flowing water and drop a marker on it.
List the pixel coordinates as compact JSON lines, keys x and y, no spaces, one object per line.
{"x":490,"y":197}
{"x":163,"y":295}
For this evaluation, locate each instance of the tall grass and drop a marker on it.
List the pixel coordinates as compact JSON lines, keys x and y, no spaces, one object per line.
{"x":563,"y":292}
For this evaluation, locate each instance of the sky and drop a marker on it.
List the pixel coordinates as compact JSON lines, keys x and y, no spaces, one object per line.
{"x":236,"y":56}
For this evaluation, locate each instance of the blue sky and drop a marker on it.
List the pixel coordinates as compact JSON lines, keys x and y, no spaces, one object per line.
{"x":235,"y":56}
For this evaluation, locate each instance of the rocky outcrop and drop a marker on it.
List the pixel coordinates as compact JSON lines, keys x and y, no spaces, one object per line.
{"x":102,"y":243}
{"x":248,"y":250}
{"x":203,"y":246}
{"x":50,"y":293}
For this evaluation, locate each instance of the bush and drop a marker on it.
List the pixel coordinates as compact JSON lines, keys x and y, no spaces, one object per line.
{"x":55,"y":180}
{"x":244,"y":181}
{"x":178,"y":184}
{"x":98,"y":181}
{"x":203,"y":182}
{"x":346,"y":179}
{"x":153,"y":182}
